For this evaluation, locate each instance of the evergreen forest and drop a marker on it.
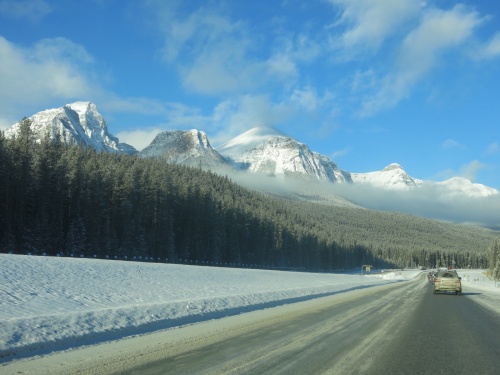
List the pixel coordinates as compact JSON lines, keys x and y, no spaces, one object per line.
{"x":68,"y":200}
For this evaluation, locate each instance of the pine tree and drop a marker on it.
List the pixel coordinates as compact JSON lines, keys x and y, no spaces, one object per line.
{"x":494,"y":260}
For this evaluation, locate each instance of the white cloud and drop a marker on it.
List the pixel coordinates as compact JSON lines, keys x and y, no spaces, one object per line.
{"x":430,"y":200}
{"x":228,"y":119}
{"x":470,"y":170}
{"x":139,"y":138}
{"x":315,"y":111}
{"x":216,"y":54}
{"x":444,"y":175}
{"x":114,"y":103}
{"x":199,"y":31}
{"x":489,"y":50}
{"x":304,"y":48}
{"x":222,"y":70}
{"x":369,"y":23}
{"x":33,"y":10}
{"x":421,"y":51}
{"x":209,"y":49}
{"x":438,"y":31}
{"x":493,"y":148}
{"x":451,"y":143}
{"x":282,"y":65}
{"x":339,"y":153}
{"x":364,"y":81}
{"x":307,"y":98}
{"x":55,"y":72}
{"x":51,"y":69}
{"x":232,"y":117}
{"x":61,"y":49}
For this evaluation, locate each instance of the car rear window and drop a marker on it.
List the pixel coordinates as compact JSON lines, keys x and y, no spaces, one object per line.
{"x":448,"y":275}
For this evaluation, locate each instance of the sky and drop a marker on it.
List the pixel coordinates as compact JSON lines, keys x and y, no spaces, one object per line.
{"x":365,"y":82}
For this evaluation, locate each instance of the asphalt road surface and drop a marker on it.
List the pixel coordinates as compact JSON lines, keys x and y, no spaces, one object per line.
{"x":396,"y":329}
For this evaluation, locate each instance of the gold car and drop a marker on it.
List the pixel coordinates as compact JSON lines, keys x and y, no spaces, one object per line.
{"x":447,"y":281}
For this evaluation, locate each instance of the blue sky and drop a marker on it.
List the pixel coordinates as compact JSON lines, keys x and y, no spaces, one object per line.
{"x":365,"y":82}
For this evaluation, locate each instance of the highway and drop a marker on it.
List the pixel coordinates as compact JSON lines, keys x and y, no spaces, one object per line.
{"x":399,"y":328}
{"x":403,"y":329}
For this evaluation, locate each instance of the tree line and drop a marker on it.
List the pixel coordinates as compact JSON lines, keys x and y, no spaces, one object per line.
{"x":494,"y":260}
{"x":71,"y":200}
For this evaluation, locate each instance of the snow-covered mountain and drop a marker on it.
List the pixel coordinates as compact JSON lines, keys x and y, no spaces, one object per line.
{"x":391,"y":177}
{"x":394,"y":177}
{"x":270,"y":152}
{"x":76,"y":123}
{"x":263,"y":149}
{"x":189,"y":147}
{"x":461,"y":186}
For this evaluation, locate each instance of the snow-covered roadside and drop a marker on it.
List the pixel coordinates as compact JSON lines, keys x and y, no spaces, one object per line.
{"x":51,"y":303}
{"x":477,"y":286}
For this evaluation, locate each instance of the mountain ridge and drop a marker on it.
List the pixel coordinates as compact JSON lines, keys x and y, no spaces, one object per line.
{"x":263,"y":150}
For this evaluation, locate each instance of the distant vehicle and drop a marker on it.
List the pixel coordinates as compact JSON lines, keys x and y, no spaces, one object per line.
{"x":447,"y":281}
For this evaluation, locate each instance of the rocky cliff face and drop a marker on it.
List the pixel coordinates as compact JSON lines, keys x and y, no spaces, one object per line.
{"x":76,"y":123}
{"x":267,"y":151}
{"x":189,"y":147}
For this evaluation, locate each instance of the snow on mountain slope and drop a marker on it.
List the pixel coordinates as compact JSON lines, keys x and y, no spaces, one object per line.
{"x":394,"y":177}
{"x":76,"y":123}
{"x":190,"y":147}
{"x":462,"y":186}
{"x":267,"y":151}
{"x":249,"y":140}
{"x":391,"y":177}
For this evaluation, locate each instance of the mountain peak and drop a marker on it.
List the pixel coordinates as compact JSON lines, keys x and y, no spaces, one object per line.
{"x":249,"y":140}
{"x":82,"y":106}
{"x":392,"y":177}
{"x":75,"y":123}
{"x":392,"y":167}
{"x":190,"y":147}
{"x":268,"y":151}
{"x":264,"y":131}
